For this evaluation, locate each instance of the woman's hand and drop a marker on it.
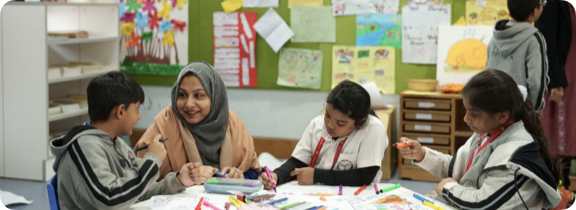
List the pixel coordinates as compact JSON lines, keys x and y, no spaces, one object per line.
{"x":440,"y":185}
{"x":233,"y":172}
{"x":201,"y":173}
{"x":414,"y":151}
{"x":304,"y":175}
{"x":267,"y":181}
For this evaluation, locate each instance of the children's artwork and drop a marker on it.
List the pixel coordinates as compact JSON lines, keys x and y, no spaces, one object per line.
{"x":313,"y":24}
{"x":305,"y":3}
{"x":300,"y":68}
{"x":379,"y":30}
{"x":495,"y":10}
{"x":231,"y":5}
{"x":385,"y":201}
{"x":462,"y":52}
{"x":357,"y":7}
{"x":273,"y":29}
{"x":234,"y":48}
{"x":260,"y":3}
{"x":420,"y":31}
{"x":154,"y":36}
{"x":363,"y":65}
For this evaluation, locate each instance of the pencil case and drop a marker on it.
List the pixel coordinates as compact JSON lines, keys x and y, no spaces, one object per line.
{"x":225,"y":185}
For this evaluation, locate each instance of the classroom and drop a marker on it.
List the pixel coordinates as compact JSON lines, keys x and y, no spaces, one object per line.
{"x":287,"y":104}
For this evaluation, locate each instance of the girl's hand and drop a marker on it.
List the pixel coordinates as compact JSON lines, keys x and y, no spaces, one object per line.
{"x":304,"y":175}
{"x":440,"y":185}
{"x":201,"y":173}
{"x":414,"y":151}
{"x":233,"y":173}
{"x":267,"y":181}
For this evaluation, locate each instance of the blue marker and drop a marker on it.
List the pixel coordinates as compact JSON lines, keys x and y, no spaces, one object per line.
{"x":317,"y":207}
{"x":422,"y":198}
{"x":277,"y":201}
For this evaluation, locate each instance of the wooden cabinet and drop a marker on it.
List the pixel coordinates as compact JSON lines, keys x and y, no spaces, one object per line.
{"x":436,"y":120}
{"x":388,"y":118}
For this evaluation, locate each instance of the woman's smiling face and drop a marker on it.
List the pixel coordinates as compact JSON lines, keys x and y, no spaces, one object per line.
{"x":193,"y":102}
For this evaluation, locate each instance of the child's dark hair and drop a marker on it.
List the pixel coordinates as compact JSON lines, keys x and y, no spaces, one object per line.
{"x":495,"y":91}
{"x":109,"y":90}
{"x":351,"y":99}
{"x":520,"y":10}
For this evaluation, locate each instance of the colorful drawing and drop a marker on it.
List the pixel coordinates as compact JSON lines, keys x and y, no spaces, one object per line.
{"x":385,"y":202}
{"x":154,"y":37}
{"x":373,"y":64}
{"x":467,"y":55}
{"x":379,"y":30}
{"x":300,"y":68}
{"x":495,"y":10}
{"x":344,"y":55}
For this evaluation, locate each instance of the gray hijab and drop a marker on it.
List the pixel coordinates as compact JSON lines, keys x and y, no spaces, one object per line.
{"x":210,"y":132}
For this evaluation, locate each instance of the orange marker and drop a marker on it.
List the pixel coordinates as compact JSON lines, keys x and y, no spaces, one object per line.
{"x":400,"y":145}
{"x":322,"y":198}
{"x":199,"y":206}
{"x":360,"y":190}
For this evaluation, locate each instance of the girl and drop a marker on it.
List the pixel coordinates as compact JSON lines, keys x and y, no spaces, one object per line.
{"x":344,"y":146}
{"x":507,"y":163}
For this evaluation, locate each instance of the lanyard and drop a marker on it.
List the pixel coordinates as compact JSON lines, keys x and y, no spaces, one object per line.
{"x":492,"y":137}
{"x":319,"y":147}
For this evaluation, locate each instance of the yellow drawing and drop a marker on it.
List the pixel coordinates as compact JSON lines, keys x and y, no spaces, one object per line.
{"x":363,"y":65}
{"x":392,"y":199}
{"x":467,"y":55}
{"x":495,"y":10}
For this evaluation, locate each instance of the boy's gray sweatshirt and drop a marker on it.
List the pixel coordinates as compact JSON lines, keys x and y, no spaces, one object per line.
{"x":519,"y":49}
{"x":95,"y":171}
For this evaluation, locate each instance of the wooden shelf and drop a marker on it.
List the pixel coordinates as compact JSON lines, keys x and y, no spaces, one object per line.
{"x":82,"y":40}
{"x":80,"y":76}
{"x":463,"y":133}
{"x":67,"y":115}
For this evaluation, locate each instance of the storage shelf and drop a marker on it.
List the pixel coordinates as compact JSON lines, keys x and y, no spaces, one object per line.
{"x":80,"y":76}
{"x":463,"y":133}
{"x":67,"y":115}
{"x":82,"y":40}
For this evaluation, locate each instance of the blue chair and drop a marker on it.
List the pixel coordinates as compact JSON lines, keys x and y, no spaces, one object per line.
{"x":52,"y":193}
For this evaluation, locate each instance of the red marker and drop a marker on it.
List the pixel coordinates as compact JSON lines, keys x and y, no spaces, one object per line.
{"x":199,"y":206}
{"x":400,"y":145}
{"x":360,"y":190}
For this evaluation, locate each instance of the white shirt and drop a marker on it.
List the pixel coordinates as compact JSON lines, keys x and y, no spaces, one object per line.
{"x":364,"y":147}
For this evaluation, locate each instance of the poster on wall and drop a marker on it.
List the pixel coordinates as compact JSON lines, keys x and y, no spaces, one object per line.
{"x":357,"y":7}
{"x":363,"y":65}
{"x":234,"y":48}
{"x":300,"y":68}
{"x":313,"y":24}
{"x":462,"y":52}
{"x":493,"y":11}
{"x":420,"y":31}
{"x":379,"y":30}
{"x":153,"y":37}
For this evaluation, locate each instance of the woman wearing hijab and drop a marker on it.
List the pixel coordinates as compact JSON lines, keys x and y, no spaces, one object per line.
{"x":201,"y":129}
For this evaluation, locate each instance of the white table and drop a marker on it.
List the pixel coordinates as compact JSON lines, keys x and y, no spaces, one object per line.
{"x":296,"y":192}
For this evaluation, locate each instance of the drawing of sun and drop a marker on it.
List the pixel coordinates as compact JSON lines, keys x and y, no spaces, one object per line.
{"x":391,"y":199}
{"x":467,"y":55}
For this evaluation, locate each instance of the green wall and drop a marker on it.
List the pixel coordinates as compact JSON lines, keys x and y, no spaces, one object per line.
{"x":201,"y":48}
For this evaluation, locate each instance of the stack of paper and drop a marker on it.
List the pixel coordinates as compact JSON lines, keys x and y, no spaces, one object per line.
{"x":72,"y":70}
{"x":54,"y":109}
{"x":54,"y":72}
{"x":87,"y":67}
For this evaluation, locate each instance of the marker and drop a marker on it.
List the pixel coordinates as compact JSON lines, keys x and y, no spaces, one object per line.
{"x":292,"y":205}
{"x":263,"y":198}
{"x":376,"y":189}
{"x":390,"y":188}
{"x":277,"y":201}
{"x":210,"y":205}
{"x":270,"y":176}
{"x":360,"y":190}
{"x":400,"y":145}
{"x":322,"y":208}
{"x":340,"y":191}
{"x":256,"y":196}
{"x":233,"y":201}
{"x":315,"y":207}
{"x":227,"y":205}
{"x":146,"y":146}
{"x":432,"y":205}
{"x":422,"y":198}
{"x":230,"y":182}
{"x":199,"y":206}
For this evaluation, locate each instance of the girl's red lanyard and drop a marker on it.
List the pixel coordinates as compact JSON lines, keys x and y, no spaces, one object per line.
{"x":319,"y":147}
{"x":492,"y":137}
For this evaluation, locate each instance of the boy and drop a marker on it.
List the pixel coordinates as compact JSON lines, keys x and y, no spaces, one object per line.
{"x":95,"y":168}
{"x":518,"y":49}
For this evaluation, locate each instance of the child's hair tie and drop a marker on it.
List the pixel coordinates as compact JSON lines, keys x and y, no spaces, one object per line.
{"x":524,"y":92}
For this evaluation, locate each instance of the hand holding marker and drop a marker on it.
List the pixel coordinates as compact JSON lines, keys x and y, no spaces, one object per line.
{"x":147,"y":145}
{"x":400,"y":145}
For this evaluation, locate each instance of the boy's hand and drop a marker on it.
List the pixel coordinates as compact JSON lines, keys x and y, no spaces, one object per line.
{"x":304,"y":175}
{"x":201,"y":173}
{"x":414,"y":151}
{"x":267,"y":181}
{"x":233,"y":172}
{"x":185,"y":176}
{"x":156,"y":147}
{"x":556,"y":94}
{"x":440,"y":185}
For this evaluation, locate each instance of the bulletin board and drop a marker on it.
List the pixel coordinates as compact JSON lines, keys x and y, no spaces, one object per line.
{"x":200,"y":46}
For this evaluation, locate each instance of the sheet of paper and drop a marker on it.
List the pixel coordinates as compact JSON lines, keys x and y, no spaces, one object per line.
{"x":379,"y":30}
{"x":356,"y":7}
{"x":376,"y":99}
{"x":486,"y":12}
{"x":300,"y":68}
{"x":8,"y":198}
{"x":462,"y":52}
{"x":273,"y":29}
{"x":260,"y":3}
{"x":420,"y":27}
{"x":234,"y":50}
{"x":363,"y":65}
{"x":313,"y":24}
{"x":304,"y":3}
{"x":231,"y":5}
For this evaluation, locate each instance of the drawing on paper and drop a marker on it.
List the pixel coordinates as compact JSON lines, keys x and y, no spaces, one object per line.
{"x":300,"y":68}
{"x":344,"y":55}
{"x":356,"y":7}
{"x":378,"y":202}
{"x":379,"y":30}
{"x":372,"y":64}
{"x":313,"y":24}
{"x":495,"y":10}
{"x":467,"y":55}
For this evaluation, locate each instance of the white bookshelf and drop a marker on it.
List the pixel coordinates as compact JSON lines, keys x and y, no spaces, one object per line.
{"x":26,"y":53}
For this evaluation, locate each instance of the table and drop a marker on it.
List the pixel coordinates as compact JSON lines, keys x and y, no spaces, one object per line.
{"x":296,"y":192}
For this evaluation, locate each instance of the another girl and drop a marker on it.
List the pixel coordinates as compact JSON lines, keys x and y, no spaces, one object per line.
{"x":507,"y":163}
{"x":344,"y":146}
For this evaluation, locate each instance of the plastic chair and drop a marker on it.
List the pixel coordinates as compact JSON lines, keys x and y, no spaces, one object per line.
{"x":52,"y":193}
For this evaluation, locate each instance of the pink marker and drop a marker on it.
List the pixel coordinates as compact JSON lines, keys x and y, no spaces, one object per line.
{"x":270,"y":176}
{"x":340,"y":191}
{"x":205,"y":203}
{"x":376,"y":188}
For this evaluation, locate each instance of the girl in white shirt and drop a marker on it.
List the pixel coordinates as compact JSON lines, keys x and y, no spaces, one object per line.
{"x":345,"y":146}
